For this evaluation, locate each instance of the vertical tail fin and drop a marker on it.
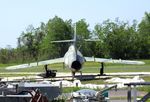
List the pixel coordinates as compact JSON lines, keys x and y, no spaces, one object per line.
{"x":75,"y":40}
{"x":75,"y":36}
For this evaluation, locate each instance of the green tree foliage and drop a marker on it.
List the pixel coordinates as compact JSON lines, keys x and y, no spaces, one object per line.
{"x":83,"y":33}
{"x":27,"y":40}
{"x":144,"y":36}
{"x":29,"y":43}
{"x":56,"y":29}
{"x":82,"y":29}
{"x":3,"y":56}
{"x":101,"y":48}
{"x":7,"y":55}
{"x":117,"y":39}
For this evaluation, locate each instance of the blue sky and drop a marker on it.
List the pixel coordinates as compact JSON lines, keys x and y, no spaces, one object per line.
{"x":16,"y":15}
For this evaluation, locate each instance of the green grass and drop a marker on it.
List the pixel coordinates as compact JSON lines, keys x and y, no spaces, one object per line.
{"x":15,"y":75}
{"x":146,"y":78}
{"x":145,"y":88}
{"x":70,"y":89}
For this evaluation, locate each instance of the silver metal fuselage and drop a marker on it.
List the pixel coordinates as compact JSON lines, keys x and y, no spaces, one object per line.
{"x":73,"y":59}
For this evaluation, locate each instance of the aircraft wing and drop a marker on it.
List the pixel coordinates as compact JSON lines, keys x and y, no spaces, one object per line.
{"x":113,"y":60}
{"x":51,"y":61}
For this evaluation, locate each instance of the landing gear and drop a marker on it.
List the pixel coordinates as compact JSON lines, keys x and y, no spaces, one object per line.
{"x":49,"y":73}
{"x":73,"y":75}
{"x":81,"y":75}
{"x":102,"y":69}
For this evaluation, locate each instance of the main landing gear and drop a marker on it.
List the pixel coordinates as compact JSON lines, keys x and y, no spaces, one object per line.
{"x":101,"y":70}
{"x":49,"y":73}
{"x":73,"y":75}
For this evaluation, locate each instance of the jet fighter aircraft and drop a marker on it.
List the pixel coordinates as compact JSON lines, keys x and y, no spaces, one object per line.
{"x":73,"y":59}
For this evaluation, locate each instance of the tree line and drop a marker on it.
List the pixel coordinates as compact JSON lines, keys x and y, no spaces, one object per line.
{"x":116,"y":39}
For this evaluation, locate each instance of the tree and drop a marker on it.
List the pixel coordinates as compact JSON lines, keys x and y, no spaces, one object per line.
{"x":39,"y":34}
{"x":144,"y":35}
{"x":117,"y":39}
{"x":83,"y":33}
{"x":26,"y":41}
{"x":56,"y":29}
{"x":100,"y":49}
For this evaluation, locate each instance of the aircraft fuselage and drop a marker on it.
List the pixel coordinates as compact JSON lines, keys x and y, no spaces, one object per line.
{"x":73,"y":59}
